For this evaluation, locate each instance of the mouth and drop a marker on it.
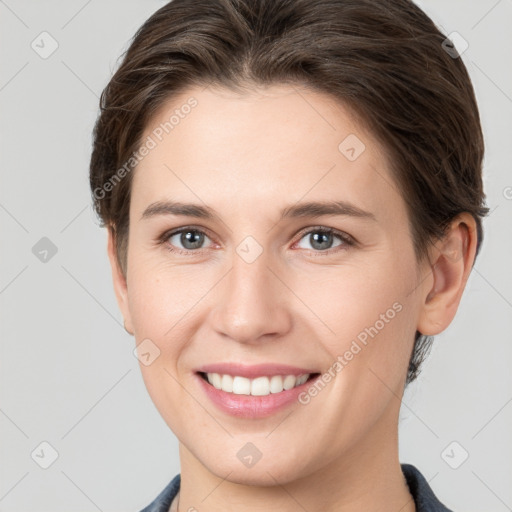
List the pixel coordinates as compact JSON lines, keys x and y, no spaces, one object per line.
{"x":259,"y":386}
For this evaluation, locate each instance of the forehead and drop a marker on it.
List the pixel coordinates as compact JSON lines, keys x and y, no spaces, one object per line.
{"x":258,"y":147}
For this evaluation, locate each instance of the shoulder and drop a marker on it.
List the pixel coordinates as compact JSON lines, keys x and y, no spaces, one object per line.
{"x":424,"y":497}
{"x":163,"y":501}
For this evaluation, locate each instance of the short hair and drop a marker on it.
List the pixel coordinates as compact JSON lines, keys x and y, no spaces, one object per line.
{"x":385,"y":61}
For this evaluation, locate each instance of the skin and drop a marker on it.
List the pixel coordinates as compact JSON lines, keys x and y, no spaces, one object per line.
{"x":247,"y":157}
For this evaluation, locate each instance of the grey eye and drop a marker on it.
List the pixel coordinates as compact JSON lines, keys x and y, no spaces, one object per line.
{"x":321,"y":240}
{"x":189,"y":238}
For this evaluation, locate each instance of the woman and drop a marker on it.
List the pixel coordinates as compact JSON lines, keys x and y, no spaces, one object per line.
{"x":293,"y":196}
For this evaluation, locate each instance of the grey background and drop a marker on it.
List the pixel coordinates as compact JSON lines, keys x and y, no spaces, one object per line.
{"x":68,"y":374}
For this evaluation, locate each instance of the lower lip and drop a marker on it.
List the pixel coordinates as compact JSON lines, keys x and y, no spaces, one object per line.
{"x":248,"y":406}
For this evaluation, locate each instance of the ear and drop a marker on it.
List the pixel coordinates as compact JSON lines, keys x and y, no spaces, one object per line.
{"x":119,"y":281}
{"x":451,"y":260}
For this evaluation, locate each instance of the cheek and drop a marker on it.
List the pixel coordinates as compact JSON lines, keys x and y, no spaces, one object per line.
{"x":365,"y":314}
{"x":160,"y":305}
{"x":160,"y":295}
{"x":167,"y":307}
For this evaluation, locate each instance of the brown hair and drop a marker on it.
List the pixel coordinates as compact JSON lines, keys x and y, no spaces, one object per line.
{"x":384,"y":60}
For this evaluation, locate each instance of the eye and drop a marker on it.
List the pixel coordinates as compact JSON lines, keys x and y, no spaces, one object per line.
{"x":191,"y":239}
{"x":321,"y":239}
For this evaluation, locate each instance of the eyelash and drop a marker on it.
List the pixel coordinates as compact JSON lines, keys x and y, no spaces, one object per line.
{"x":347,"y":240}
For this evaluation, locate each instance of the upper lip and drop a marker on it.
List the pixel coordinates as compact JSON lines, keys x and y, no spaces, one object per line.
{"x":258,"y":370}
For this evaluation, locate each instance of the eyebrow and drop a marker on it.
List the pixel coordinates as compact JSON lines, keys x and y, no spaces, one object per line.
{"x":309,"y":209}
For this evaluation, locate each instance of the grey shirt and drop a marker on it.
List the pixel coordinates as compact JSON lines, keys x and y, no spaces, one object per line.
{"x":424,"y":497}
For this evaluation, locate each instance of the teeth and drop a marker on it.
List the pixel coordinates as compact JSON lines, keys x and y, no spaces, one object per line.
{"x":226,"y":383}
{"x":302,"y":379}
{"x":260,"y":386}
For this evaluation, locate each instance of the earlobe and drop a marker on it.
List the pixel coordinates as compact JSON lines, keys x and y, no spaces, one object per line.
{"x":451,"y":260}
{"x":119,"y":281}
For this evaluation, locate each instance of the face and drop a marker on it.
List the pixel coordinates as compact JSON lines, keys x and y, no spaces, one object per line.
{"x":264,"y":281}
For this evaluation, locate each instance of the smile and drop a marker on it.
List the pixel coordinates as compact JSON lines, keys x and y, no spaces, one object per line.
{"x":259,"y":386}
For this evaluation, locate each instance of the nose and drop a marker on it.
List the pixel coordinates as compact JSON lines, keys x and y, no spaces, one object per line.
{"x":252,"y":302}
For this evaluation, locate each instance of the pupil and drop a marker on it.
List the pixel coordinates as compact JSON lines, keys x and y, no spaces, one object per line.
{"x":188,"y":237}
{"x":324,"y":238}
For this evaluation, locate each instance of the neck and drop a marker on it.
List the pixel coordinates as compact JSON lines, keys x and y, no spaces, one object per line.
{"x":368,"y":476}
